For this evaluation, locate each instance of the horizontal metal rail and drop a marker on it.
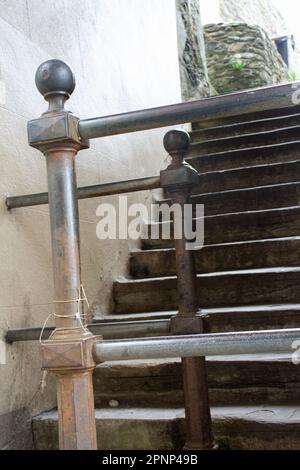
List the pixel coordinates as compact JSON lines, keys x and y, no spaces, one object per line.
{"x":248,"y":342}
{"x":249,"y":101}
{"x":87,"y":192}
{"x":107,"y":330}
{"x":243,"y":102}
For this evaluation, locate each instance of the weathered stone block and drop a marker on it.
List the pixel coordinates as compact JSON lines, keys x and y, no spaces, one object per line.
{"x":240,"y":56}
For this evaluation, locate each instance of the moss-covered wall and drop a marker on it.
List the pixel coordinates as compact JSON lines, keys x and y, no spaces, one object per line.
{"x":241,"y":56}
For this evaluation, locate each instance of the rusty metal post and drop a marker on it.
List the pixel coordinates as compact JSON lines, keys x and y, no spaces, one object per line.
{"x":178,"y":180}
{"x":68,"y":353}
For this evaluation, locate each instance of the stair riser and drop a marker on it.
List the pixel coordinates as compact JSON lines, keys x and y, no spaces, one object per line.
{"x":231,"y":320}
{"x":237,"y":383}
{"x":248,"y":178}
{"x":284,"y":395}
{"x":253,"y":140}
{"x":246,"y":128}
{"x":245,"y":158}
{"x":213,"y":291}
{"x":241,"y":227}
{"x":259,"y":320}
{"x":230,"y":432}
{"x":145,"y":264}
{"x":286,"y":195}
{"x":246,"y":117}
{"x":269,"y":197}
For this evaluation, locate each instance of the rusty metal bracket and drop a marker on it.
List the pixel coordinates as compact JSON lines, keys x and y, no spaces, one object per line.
{"x":56,"y":127}
{"x":186,"y":325}
{"x":72,"y":355}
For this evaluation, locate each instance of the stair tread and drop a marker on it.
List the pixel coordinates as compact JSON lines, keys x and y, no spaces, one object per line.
{"x":238,"y":272}
{"x":256,"y":148}
{"x":241,"y":242}
{"x":244,"y":124}
{"x":235,"y":427}
{"x":241,"y":118}
{"x":236,"y":191}
{"x":251,"y":168}
{"x":238,"y":358}
{"x":231,"y":158}
{"x":205,"y":311}
{"x":231,"y":227}
{"x":236,"y":200}
{"x":283,"y":414}
{"x":236,"y":214}
{"x":272,"y":132}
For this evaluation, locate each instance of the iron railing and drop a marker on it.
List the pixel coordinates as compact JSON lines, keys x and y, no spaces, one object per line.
{"x":73,"y":350}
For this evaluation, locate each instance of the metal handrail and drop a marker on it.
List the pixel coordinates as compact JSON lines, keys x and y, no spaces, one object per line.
{"x":106,"y":329}
{"x":245,"y":342}
{"x":87,"y":192}
{"x":242,"y":102}
{"x":59,"y":135}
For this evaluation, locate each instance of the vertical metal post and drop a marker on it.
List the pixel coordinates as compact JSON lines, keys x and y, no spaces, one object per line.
{"x":178,"y":179}
{"x":68,"y":353}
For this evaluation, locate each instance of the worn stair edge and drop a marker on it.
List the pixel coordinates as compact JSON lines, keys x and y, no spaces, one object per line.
{"x":258,"y":115}
{"x":257,"y":139}
{"x":235,"y":427}
{"x":212,"y":258}
{"x":251,"y":379}
{"x":245,"y":127}
{"x":230,"y":288}
{"x":248,"y":177}
{"x":250,"y":199}
{"x":247,"y":157}
{"x":233,"y":227}
{"x":220,"y":320}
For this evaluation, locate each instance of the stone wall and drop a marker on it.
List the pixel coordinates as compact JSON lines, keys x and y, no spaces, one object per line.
{"x":241,"y":56}
{"x":191,"y":49}
{"x":124,"y":56}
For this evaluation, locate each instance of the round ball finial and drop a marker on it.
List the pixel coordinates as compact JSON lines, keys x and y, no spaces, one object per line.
{"x":177,"y":141}
{"x":55,"y":77}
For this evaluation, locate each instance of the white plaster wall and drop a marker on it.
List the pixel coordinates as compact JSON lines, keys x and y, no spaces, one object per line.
{"x":210,"y":11}
{"x":124,"y":54}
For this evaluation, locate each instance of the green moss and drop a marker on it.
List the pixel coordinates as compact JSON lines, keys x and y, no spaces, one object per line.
{"x":237,"y":65}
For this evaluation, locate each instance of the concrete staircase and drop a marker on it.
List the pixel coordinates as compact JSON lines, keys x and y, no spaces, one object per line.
{"x":248,"y":278}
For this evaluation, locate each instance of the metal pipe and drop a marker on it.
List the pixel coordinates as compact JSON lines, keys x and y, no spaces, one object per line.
{"x":87,"y":192}
{"x":246,"y":342}
{"x":242,"y":102}
{"x":178,"y":180}
{"x":107,"y":330}
{"x":67,"y":354}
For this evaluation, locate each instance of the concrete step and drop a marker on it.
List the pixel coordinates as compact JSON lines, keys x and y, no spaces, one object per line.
{"x":235,"y":427}
{"x":247,"y":127}
{"x":248,"y":177}
{"x":255,"y":116}
{"x":212,"y":258}
{"x":248,"y":199}
{"x":257,"y":139}
{"x":235,"y":227}
{"x":252,"y":379}
{"x":245,"y":157}
{"x":224,"y":289}
{"x":217,"y":320}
